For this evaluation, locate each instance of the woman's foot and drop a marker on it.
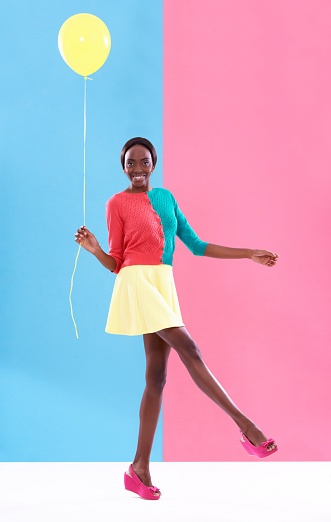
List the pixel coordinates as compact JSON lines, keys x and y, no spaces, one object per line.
{"x":143,"y":474}
{"x":254,"y":435}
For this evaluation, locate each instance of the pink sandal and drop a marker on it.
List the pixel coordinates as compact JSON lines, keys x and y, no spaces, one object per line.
{"x":135,"y":485}
{"x":259,"y":451}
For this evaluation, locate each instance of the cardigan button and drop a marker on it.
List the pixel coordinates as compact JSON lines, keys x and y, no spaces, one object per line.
{"x":160,"y":223}
{"x":162,"y":248}
{"x":161,"y":260}
{"x":150,"y":202}
{"x":162,"y":235}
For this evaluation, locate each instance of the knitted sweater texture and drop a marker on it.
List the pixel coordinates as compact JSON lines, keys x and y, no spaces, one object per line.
{"x":142,"y":228}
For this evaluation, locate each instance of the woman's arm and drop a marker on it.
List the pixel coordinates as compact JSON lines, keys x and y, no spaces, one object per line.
{"x":105,"y":259}
{"x":115,"y":226}
{"x":264,"y":257}
{"x":227,"y":252}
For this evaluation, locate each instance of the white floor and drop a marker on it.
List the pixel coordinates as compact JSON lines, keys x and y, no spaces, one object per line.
{"x":191,"y":491}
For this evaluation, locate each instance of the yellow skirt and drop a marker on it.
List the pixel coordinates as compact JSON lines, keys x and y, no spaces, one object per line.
{"x":144,"y":300}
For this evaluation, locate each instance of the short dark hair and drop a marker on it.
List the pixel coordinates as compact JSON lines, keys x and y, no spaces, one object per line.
{"x":139,"y":141}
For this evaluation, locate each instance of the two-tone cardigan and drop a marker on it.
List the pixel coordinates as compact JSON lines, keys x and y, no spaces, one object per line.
{"x":142,"y":228}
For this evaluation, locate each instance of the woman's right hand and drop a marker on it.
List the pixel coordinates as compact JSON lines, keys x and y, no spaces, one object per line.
{"x":87,"y":240}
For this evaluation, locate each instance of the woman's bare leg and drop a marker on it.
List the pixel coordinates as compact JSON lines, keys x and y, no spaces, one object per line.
{"x":189,"y":353}
{"x":157,"y":354}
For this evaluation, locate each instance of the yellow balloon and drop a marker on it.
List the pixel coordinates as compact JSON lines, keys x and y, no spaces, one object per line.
{"x":84,"y":43}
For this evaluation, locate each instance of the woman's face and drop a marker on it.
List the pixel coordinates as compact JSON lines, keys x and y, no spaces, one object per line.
{"x":138,"y":165}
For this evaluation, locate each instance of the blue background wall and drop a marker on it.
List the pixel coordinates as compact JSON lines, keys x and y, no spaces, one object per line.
{"x":63,"y":398}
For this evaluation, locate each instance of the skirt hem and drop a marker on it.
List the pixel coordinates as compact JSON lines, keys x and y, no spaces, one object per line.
{"x":144,"y":332}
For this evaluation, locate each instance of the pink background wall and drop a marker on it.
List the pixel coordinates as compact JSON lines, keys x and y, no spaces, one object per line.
{"x":247,"y":129}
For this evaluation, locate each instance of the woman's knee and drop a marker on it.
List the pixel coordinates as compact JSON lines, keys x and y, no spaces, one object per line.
{"x":189,"y":351}
{"x":181,"y":341}
{"x":156,"y":380}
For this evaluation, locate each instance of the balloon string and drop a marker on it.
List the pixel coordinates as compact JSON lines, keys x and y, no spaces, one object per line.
{"x":84,"y":142}
{"x":72,"y":277}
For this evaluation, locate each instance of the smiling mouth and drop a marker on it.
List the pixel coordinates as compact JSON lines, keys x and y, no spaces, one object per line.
{"x":138,"y":178}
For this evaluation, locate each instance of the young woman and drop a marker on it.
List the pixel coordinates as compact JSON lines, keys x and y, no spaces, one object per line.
{"x":142,"y":225}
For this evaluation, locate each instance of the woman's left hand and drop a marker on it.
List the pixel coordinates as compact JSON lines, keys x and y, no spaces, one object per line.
{"x":264,"y":257}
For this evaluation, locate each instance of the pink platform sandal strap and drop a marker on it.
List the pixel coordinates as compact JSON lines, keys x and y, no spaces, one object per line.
{"x":267,"y":442}
{"x":154,"y":489}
